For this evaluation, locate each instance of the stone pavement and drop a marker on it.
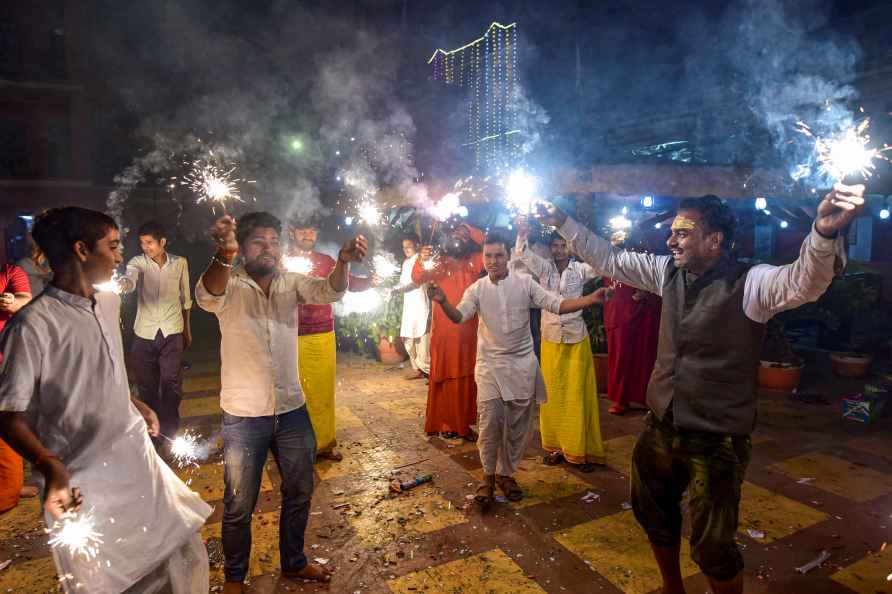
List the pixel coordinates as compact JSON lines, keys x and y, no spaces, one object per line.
{"x":815,"y":483}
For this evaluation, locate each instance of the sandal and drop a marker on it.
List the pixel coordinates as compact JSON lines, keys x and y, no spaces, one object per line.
{"x":486,"y":491}
{"x":587,"y":467}
{"x":333,"y":455}
{"x":553,"y":459}
{"x":449,"y":435}
{"x":509,"y":487}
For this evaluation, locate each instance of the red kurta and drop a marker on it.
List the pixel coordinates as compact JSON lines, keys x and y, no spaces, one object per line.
{"x":452,"y":392}
{"x":633,"y":328}
{"x":12,"y":280}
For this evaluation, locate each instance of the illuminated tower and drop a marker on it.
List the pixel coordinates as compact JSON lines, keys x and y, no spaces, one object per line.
{"x":487,"y":69}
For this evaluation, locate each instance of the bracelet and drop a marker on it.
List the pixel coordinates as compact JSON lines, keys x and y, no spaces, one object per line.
{"x":44,"y":458}
{"x":221,"y":262}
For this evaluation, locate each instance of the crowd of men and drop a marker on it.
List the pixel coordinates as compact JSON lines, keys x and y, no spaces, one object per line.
{"x":66,"y":407}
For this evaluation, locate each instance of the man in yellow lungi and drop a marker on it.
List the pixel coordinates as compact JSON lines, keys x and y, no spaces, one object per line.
{"x":316,"y":344}
{"x":568,"y":422}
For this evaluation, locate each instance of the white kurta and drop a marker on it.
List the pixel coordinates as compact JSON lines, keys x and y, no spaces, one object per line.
{"x":416,"y":305}
{"x":507,"y":367}
{"x":63,"y":366}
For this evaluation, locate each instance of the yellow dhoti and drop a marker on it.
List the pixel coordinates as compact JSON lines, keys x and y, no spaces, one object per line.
{"x":316,"y":362}
{"x":569,"y":421}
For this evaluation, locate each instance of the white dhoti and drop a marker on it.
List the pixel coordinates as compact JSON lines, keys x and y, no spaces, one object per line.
{"x":504,"y":431}
{"x":185,"y":571}
{"x":419,"y":352}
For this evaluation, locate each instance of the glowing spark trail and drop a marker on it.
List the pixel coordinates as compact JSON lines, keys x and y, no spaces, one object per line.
{"x":448,"y":206}
{"x":112,"y":285}
{"x":429,"y":264}
{"x":384,"y":266}
{"x":212,"y":183}
{"x":364,"y":302}
{"x":76,"y":532}
{"x":187,"y":450}
{"x":847,"y":153}
{"x":299,"y":264}
{"x":520,"y":191}
{"x":369,"y":213}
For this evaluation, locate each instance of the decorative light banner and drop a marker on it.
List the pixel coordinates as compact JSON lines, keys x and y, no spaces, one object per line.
{"x":487,"y":68}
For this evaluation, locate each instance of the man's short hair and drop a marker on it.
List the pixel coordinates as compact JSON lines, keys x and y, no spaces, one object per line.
{"x":57,"y":230}
{"x":717,"y":215}
{"x":494,"y":237}
{"x":255,"y":220}
{"x":554,"y":236}
{"x":153,"y":229}
{"x":413,"y":237}
{"x":304,"y":222}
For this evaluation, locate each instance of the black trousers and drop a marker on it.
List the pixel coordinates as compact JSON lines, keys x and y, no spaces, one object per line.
{"x":157,"y":365}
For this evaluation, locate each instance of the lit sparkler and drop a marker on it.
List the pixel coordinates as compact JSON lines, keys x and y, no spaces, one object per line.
{"x":77,"y":533}
{"x":520,"y":191}
{"x":429,"y":264}
{"x":846,"y":154}
{"x":447,"y":207}
{"x":369,"y":213}
{"x":385,"y":266}
{"x":364,"y":302}
{"x":212,"y":183}
{"x":112,"y":285}
{"x":187,"y":450}
{"x":298,"y":264}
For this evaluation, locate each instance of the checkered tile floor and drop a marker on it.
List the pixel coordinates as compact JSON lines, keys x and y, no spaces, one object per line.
{"x":816,"y":483}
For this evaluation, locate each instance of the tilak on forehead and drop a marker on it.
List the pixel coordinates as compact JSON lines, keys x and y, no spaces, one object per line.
{"x":682,"y":223}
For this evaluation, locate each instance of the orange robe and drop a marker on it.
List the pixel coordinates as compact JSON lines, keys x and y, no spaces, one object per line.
{"x":452,"y":392}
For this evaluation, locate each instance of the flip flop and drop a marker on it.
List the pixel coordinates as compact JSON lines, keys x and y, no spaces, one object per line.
{"x":509,"y":487}
{"x":553,"y":459}
{"x":485,"y":492}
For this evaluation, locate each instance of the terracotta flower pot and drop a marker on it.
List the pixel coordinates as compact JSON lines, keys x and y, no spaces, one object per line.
{"x":600,"y":360}
{"x":779,"y":376}
{"x":850,"y":364}
{"x":388,"y":353}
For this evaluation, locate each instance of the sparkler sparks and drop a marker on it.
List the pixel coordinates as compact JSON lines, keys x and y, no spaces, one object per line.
{"x":364,"y":302}
{"x":212,"y":182}
{"x":298,"y":264}
{"x":447,"y":207}
{"x":112,"y":285}
{"x":187,"y":450}
{"x":429,"y":264}
{"x":520,"y":191}
{"x":845,"y":154}
{"x":76,"y":532}
{"x":369,"y":213}
{"x":384,"y":266}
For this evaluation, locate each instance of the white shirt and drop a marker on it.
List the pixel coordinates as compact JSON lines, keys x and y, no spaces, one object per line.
{"x":163,"y":293}
{"x":569,"y":328}
{"x":63,"y":366}
{"x":416,"y":305}
{"x":507,"y":367}
{"x":768,"y":290}
{"x":258,"y":350}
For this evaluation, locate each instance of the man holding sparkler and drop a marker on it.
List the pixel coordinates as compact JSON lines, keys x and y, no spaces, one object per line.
{"x":263,"y":404}
{"x":452,"y":393}
{"x":162,"y":325}
{"x":415,"y":327}
{"x":507,"y":373}
{"x":316,"y":338}
{"x":568,"y":423}
{"x":702,"y":393}
{"x":122,"y":520}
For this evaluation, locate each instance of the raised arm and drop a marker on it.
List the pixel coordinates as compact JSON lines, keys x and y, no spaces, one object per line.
{"x":216,"y":276}
{"x":352,"y":251}
{"x":644,"y":271}
{"x":130,"y":278}
{"x":558,"y":305}
{"x":537,"y":265}
{"x":770,"y":290}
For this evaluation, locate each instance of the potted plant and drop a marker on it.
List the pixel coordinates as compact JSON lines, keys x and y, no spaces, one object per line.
{"x":597,"y":334}
{"x":387,"y":331}
{"x":780,"y":368}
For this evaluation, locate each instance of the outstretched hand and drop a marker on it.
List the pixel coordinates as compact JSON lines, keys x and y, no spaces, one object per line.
{"x":354,"y":250}
{"x":839,"y":208}
{"x":223,"y":234}
{"x":551,"y":214}
{"x":435,"y":293}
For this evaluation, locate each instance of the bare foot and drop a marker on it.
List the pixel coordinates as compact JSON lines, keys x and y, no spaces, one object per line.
{"x":313,"y":571}
{"x":233,"y":588}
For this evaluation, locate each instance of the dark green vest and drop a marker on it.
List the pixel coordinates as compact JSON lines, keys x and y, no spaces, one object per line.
{"x":708,"y":354}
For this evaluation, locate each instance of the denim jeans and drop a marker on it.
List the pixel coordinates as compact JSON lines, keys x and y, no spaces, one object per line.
{"x":246,"y":443}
